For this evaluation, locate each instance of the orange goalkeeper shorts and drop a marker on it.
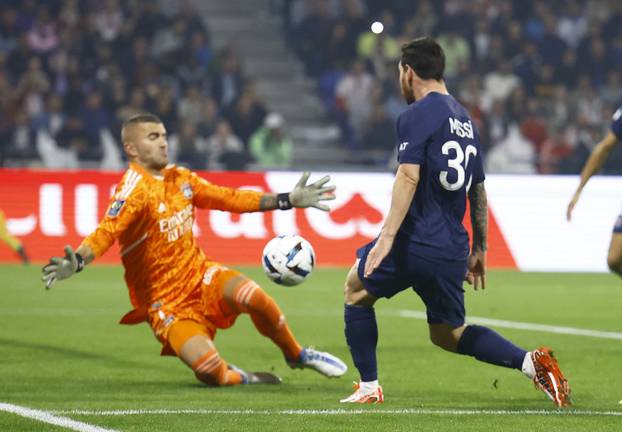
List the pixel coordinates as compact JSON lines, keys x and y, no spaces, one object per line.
{"x":205,"y":306}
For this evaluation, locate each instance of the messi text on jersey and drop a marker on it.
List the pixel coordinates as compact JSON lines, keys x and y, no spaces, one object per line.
{"x":463,"y":130}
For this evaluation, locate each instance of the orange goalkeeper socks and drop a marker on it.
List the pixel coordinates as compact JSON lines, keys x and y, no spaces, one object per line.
{"x":213,"y":370}
{"x":267,"y":317}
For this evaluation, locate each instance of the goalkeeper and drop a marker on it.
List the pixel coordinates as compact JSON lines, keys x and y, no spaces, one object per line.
{"x":183,"y":295}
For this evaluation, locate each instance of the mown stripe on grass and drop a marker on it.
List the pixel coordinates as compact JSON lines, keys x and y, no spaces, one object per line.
{"x":342,"y":411}
{"x":545,"y":328}
{"x":48,"y":417}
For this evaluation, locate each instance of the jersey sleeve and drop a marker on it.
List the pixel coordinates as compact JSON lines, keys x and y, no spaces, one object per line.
{"x":616,"y":123}
{"x":211,"y":196}
{"x":126,"y":205}
{"x":413,"y":134}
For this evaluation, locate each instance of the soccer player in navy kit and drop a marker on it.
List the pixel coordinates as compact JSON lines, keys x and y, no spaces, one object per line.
{"x":423,"y":243}
{"x":594,"y":163}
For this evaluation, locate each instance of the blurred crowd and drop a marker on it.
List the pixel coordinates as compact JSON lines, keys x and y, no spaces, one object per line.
{"x":71,"y":71}
{"x":541,"y":78}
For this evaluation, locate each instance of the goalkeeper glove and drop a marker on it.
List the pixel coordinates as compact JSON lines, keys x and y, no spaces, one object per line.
{"x":305,"y":195}
{"x":62,"y":268}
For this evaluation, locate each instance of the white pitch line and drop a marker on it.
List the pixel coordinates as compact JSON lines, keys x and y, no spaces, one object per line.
{"x":48,"y":417}
{"x":333,"y":412}
{"x":525,"y":326}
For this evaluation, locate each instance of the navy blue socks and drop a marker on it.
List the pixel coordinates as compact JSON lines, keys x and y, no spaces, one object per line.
{"x":489,"y":346}
{"x":362,"y":337}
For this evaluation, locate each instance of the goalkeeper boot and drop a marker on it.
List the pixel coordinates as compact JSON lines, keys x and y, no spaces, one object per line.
{"x":322,"y":362}
{"x":365,"y":393}
{"x":549,"y":377}
{"x":256,"y":377}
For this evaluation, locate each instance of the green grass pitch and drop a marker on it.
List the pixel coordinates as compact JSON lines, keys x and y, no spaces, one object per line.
{"x":62,"y":351}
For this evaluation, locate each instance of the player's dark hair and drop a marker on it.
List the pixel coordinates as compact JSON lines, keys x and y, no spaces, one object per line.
{"x":141,"y":118}
{"x":426,"y":57}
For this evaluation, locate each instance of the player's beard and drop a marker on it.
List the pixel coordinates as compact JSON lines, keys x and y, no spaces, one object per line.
{"x":159,"y":162}
{"x":407,"y":91}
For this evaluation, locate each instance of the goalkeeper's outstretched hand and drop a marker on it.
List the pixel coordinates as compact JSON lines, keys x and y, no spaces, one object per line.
{"x":60,"y":268}
{"x":305,"y":195}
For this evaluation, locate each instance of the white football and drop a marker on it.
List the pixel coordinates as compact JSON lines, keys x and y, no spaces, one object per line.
{"x":288,"y":260}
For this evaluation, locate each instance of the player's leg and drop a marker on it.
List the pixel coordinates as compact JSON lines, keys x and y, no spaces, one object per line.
{"x":444,"y":298}
{"x":361,"y":331}
{"x":614,"y":257}
{"x":194,"y":347}
{"x":12,"y":241}
{"x":242,"y":295}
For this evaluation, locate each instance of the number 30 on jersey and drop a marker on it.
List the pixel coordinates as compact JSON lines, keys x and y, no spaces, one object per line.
{"x":456,"y":164}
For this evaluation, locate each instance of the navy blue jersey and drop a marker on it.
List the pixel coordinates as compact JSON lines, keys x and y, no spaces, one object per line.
{"x":616,"y":123}
{"x":437,"y":133}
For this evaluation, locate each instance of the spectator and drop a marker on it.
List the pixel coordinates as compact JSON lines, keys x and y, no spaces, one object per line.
{"x":457,"y":52}
{"x":380,"y":135}
{"x":228,"y":81}
{"x":247,"y":115}
{"x":353,"y":98}
{"x":269,"y":145}
{"x":21,"y":142}
{"x":500,"y":83}
{"x":190,"y":107}
{"x":43,"y":37}
{"x":109,"y":20}
{"x":189,"y":147}
{"x":225,"y":150}
{"x":75,"y":138}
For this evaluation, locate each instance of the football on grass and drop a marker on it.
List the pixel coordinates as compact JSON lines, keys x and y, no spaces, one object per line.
{"x":288,"y":260}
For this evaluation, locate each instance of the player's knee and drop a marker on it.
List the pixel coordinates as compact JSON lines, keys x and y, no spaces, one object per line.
{"x":348,"y":292}
{"x":443,"y":339}
{"x":614,"y":262}
{"x":358,"y":296}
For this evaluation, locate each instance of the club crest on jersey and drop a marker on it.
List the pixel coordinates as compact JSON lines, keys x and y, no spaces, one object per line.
{"x":115,"y":207}
{"x":187,"y":190}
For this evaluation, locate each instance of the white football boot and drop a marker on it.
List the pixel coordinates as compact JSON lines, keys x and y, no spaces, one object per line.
{"x":320,"y":361}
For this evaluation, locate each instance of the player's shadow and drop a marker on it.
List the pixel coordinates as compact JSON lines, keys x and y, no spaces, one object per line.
{"x":66,"y":352}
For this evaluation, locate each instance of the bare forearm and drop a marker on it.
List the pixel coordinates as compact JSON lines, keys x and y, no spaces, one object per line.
{"x":597,"y":158}
{"x":479,"y":217}
{"x":268,"y":202}
{"x":404,"y":189}
{"x":87,"y":253}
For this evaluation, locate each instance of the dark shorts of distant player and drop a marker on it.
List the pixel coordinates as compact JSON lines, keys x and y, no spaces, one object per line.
{"x":437,"y":282}
{"x":617,"y":228}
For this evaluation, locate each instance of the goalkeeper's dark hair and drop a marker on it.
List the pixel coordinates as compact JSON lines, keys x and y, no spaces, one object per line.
{"x":141,"y":118}
{"x":426,"y":57}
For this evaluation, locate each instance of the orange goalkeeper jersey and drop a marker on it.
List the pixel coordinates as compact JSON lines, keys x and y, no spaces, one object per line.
{"x":152,"y":220}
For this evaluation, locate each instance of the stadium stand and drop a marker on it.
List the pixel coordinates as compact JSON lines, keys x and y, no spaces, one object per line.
{"x":541,"y":78}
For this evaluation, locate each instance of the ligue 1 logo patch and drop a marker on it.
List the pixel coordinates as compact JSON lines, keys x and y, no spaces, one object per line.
{"x":187,"y":190}
{"x":115,"y":207}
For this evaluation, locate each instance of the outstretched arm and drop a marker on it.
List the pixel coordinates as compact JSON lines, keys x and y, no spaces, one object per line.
{"x":594,"y":163}
{"x":60,"y":268}
{"x":301,"y":196}
{"x":479,"y":222}
{"x":404,"y":187}
{"x":234,"y":200}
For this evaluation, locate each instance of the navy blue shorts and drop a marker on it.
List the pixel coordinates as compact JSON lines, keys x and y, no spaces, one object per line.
{"x":437,"y":282}
{"x":617,"y":228}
